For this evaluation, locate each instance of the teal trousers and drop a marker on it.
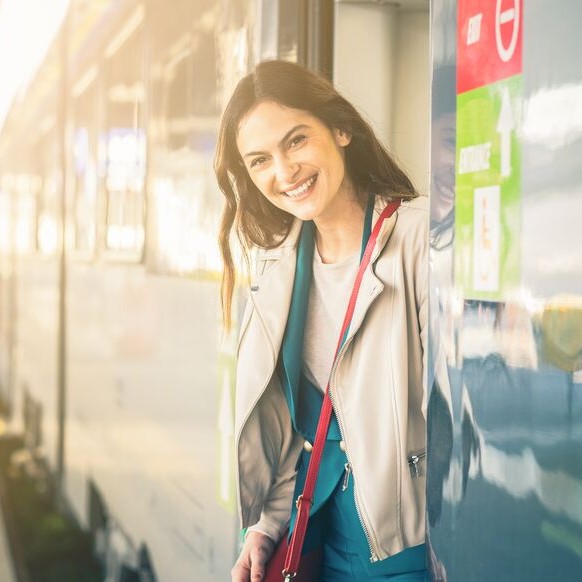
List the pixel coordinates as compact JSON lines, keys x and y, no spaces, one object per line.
{"x":345,"y":548}
{"x":341,"y":566}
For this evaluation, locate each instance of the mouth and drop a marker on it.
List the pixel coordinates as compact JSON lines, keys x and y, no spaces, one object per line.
{"x":301,"y":190}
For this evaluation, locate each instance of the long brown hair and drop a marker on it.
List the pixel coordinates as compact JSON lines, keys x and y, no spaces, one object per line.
{"x":257,"y":221}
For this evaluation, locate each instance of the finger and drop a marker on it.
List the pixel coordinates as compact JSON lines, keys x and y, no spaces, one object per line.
{"x":258,"y":565}
{"x":257,"y":572}
{"x":240,"y":573}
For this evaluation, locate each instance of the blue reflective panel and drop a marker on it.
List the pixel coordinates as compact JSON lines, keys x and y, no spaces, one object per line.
{"x":505,"y":408}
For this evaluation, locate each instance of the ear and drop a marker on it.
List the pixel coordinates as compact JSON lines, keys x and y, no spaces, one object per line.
{"x":342,"y":138}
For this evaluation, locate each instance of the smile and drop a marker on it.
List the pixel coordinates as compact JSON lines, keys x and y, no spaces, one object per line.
{"x":301,"y":189}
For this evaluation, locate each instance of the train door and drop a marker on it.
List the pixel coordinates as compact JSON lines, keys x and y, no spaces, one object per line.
{"x":505,"y":410}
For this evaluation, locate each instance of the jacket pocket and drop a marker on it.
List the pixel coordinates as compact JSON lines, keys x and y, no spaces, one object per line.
{"x":417,"y":463}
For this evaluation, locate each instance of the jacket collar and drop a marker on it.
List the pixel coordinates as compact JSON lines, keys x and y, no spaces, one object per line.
{"x":272,"y":297}
{"x":290,"y":242}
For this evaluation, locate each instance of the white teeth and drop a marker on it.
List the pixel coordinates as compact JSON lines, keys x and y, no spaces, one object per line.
{"x":301,"y":189}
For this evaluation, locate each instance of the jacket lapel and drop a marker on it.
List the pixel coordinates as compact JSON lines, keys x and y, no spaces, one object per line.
{"x":371,"y":286}
{"x":270,"y":297}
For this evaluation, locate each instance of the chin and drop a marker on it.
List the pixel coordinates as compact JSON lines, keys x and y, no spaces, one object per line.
{"x":303,"y":213}
{"x":304,"y":216}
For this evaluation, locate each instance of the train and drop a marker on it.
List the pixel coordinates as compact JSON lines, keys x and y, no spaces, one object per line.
{"x":114,"y":363}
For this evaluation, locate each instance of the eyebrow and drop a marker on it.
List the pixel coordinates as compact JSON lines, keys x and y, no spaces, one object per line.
{"x":283,"y":140}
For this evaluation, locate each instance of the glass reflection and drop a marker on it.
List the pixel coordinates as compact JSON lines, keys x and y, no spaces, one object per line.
{"x":185,"y":201}
{"x":553,"y":116}
{"x":84,"y":165}
{"x":123,"y":144}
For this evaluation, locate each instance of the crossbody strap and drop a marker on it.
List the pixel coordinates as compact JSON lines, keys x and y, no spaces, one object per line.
{"x":305,"y":500}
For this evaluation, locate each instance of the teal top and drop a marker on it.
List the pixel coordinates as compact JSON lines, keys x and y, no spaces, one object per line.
{"x":339,"y":523}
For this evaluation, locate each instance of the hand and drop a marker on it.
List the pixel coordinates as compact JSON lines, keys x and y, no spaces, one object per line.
{"x":250,"y":566}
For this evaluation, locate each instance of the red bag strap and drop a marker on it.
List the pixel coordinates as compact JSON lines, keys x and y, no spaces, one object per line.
{"x":305,"y":500}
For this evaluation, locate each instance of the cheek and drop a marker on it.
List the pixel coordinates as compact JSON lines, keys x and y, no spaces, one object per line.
{"x":261,"y":183}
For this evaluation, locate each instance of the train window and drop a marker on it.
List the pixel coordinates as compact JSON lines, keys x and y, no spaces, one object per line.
{"x":236,"y":45}
{"x":123,"y":144}
{"x":47,"y":218}
{"x":27,"y":188}
{"x":184,"y":201}
{"x":84,"y":165}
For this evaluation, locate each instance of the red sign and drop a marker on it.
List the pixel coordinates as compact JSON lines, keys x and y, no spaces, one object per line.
{"x":489,"y":38}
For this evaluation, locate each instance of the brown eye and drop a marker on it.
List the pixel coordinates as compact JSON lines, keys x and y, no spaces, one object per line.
{"x":258,"y":161}
{"x":295,"y":141}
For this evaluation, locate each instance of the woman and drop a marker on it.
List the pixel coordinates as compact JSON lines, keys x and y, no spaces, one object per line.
{"x":305,"y":178}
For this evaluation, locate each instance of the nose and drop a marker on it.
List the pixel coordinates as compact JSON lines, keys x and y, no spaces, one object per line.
{"x":286,"y":170}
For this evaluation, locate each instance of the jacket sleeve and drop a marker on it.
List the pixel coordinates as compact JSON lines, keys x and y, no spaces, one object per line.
{"x":277,"y":507}
{"x":280,"y":446}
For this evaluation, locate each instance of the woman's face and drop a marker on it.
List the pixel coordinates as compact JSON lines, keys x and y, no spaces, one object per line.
{"x":294,"y":160}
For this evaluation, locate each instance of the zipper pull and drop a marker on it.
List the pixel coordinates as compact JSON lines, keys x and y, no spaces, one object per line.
{"x":413,"y":461}
{"x":348,"y":470}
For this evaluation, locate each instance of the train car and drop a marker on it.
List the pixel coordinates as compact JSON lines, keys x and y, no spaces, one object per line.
{"x":113,"y":361}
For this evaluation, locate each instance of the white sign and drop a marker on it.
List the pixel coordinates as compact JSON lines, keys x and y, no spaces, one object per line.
{"x":474,"y":29}
{"x":486,"y":242}
{"x":475,"y":158}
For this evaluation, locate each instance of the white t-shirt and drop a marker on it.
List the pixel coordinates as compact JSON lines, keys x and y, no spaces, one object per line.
{"x":330,"y":291}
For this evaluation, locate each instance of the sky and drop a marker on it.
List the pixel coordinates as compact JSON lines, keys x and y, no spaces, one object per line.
{"x":27,"y":28}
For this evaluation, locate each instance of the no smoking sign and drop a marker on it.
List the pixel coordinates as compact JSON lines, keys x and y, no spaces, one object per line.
{"x":489,"y":39}
{"x":507,"y":25}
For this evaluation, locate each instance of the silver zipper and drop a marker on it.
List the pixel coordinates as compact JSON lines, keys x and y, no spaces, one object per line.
{"x":348,"y":470}
{"x":413,"y":461}
{"x":373,"y":557}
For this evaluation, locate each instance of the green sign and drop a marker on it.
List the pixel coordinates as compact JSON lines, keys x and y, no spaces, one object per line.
{"x":488,"y":189}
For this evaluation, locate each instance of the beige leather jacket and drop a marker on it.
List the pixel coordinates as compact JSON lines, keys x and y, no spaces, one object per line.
{"x":377,"y":389}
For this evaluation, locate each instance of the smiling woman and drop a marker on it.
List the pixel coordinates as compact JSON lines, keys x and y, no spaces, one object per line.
{"x":307,"y":181}
{"x":275,"y":115}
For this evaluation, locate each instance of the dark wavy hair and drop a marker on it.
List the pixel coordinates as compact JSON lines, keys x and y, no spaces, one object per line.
{"x":257,"y":221}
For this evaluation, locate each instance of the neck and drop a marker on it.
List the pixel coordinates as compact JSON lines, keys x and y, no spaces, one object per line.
{"x":340,"y":236}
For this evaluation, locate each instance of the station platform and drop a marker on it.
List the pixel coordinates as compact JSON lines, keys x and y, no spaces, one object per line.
{"x":6,"y":568}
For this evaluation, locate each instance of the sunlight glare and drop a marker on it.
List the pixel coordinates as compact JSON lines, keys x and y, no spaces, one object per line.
{"x":27,"y":28}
